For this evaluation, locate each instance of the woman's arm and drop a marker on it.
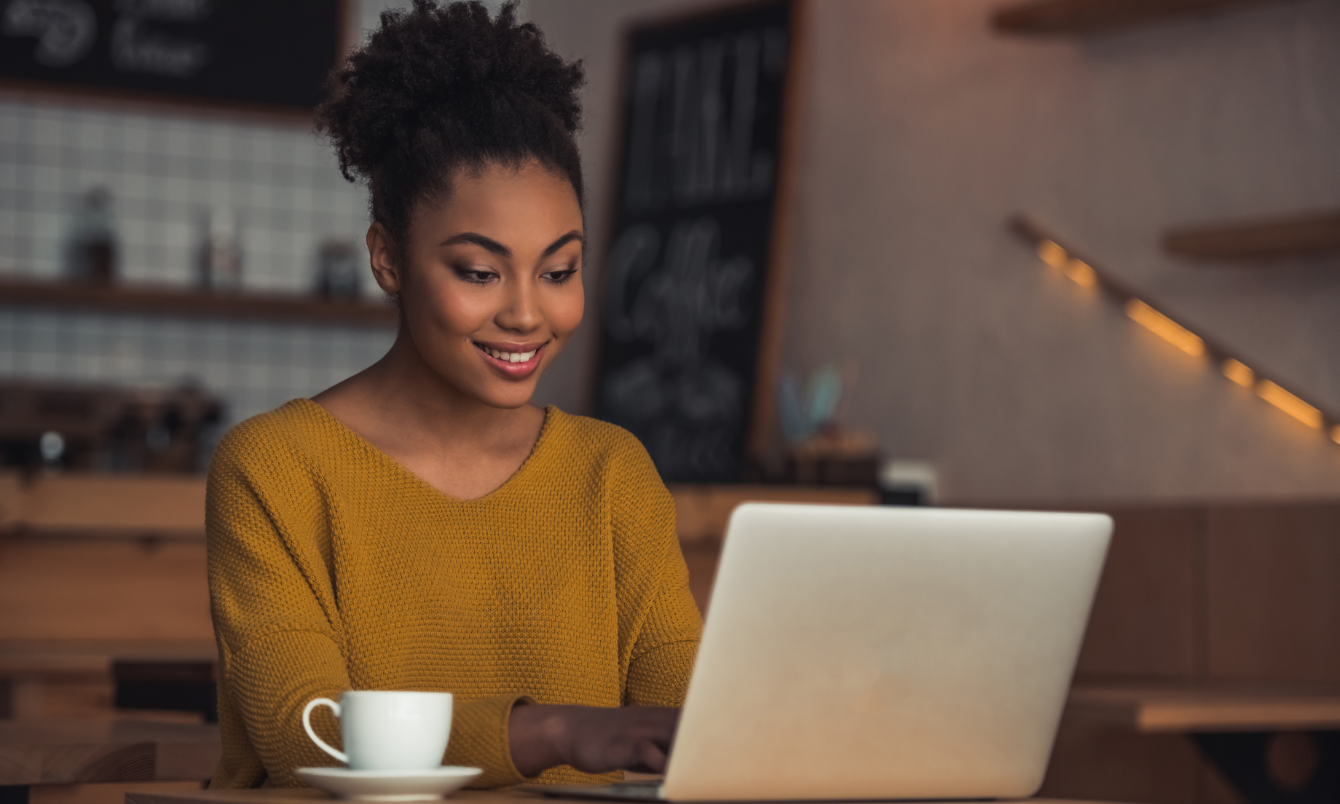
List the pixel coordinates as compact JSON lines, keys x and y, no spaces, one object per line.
{"x":664,"y":629}
{"x":279,"y":627}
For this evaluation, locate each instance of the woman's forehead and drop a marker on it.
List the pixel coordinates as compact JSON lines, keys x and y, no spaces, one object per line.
{"x":526,"y":205}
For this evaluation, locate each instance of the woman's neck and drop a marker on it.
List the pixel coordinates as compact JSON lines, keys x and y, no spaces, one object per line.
{"x":461,"y":445}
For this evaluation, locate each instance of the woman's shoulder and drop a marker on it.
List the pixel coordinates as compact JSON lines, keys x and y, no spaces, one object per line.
{"x":594,"y":453}
{"x":278,"y":436}
{"x":592,"y":437}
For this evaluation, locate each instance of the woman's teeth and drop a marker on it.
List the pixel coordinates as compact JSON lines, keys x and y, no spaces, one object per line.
{"x":510,"y":357}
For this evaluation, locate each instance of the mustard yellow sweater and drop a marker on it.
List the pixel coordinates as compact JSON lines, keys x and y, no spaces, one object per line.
{"x":333,"y":568}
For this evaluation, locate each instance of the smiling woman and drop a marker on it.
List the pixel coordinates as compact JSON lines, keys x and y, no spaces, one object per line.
{"x":422,"y":525}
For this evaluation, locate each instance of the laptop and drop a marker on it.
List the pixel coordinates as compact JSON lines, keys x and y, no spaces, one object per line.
{"x":881,"y":653}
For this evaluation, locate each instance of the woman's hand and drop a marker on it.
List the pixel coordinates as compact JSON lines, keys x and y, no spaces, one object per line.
{"x":594,"y":739}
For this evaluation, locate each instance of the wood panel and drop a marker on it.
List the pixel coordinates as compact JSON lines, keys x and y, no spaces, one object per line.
{"x":103,"y":590}
{"x":1148,"y":613}
{"x":12,"y":498}
{"x":1111,"y":764}
{"x":109,"y":793}
{"x":74,"y":752}
{"x":702,"y":511}
{"x":1274,"y":592}
{"x":116,"y":506}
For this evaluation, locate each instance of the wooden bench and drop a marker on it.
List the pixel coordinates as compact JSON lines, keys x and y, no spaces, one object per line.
{"x":95,"y":570}
{"x":1223,"y":603}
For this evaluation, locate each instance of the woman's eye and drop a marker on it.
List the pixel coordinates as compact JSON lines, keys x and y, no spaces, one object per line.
{"x":559,"y":277}
{"x":475,"y":275}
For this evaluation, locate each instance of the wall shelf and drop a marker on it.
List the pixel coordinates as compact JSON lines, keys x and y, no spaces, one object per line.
{"x":1082,"y":17}
{"x":183,"y":303}
{"x":1246,"y":240}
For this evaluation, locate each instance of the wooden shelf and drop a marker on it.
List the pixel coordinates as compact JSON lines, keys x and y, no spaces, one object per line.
{"x":176,"y":303}
{"x":1081,"y":17}
{"x":1278,"y":237}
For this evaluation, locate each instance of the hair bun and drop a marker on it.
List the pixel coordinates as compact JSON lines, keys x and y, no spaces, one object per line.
{"x":438,"y":69}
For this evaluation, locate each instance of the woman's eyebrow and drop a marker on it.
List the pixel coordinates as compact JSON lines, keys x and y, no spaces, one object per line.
{"x":479,"y":240}
{"x":563,"y":241}
{"x":503,"y":251}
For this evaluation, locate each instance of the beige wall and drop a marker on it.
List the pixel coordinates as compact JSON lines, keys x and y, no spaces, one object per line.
{"x":925,"y":131}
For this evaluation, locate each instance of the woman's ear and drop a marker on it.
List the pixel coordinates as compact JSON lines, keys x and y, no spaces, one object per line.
{"x":384,"y":267}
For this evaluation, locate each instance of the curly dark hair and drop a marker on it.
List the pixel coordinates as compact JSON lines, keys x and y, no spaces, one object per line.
{"x":437,"y":89}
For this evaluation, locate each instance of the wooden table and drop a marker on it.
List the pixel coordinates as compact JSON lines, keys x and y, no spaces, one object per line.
{"x":305,"y":796}
{"x":1275,"y":744}
{"x":81,"y":752}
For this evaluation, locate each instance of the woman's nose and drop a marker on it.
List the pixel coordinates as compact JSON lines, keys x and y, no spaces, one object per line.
{"x":521,"y":313}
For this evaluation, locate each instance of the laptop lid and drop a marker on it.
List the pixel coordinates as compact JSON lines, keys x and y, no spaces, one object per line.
{"x":882,"y":652}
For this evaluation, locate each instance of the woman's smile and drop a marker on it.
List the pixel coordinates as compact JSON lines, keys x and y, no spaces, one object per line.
{"x":517,"y":360}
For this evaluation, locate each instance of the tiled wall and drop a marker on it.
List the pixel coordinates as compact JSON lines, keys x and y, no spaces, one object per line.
{"x":252,"y":367}
{"x":166,"y":171}
{"x":166,"y":174}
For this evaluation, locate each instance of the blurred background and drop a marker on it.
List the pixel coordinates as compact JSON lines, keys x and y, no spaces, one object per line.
{"x":923,"y":130}
{"x":1059,"y":254}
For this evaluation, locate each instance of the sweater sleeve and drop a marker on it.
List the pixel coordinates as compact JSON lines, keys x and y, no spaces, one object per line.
{"x":665,"y":623}
{"x":277,"y":621}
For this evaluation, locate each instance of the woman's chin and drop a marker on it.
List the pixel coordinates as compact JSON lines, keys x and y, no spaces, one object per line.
{"x":510,"y":397}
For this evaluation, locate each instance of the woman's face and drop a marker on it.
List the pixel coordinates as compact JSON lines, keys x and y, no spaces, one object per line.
{"x":491,"y":288}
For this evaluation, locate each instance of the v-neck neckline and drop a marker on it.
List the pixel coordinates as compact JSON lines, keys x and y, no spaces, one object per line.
{"x":550,"y":414}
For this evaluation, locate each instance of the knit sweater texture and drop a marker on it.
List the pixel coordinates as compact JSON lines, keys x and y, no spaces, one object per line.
{"x":333,"y":568}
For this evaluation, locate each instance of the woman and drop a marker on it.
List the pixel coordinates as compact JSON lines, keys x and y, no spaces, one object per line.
{"x":421,"y":525}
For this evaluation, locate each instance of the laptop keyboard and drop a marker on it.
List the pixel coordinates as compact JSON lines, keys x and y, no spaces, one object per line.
{"x":649,"y":789}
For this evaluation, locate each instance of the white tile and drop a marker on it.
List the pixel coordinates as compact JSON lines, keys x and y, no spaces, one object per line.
{"x":177,"y":138}
{"x":90,"y":133}
{"x":10,"y":130}
{"x":45,"y":178}
{"x":176,"y":191}
{"x":45,"y":129}
{"x":133,"y":186}
{"x":136,"y":135}
{"x":304,"y":201}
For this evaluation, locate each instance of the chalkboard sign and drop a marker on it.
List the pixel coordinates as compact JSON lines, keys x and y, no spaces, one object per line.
{"x":271,"y":53}
{"x":690,"y":270}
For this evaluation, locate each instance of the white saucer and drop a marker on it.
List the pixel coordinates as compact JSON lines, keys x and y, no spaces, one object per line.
{"x":354,"y":785}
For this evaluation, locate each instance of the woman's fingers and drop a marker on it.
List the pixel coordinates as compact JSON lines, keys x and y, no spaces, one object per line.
{"x":590,"y":738}
{"x":651,"y":757}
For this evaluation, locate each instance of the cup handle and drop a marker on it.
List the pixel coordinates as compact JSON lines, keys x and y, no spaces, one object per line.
{"x":307,"y":724}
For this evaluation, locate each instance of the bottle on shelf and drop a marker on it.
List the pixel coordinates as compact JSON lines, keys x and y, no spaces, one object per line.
{"x":338,"y":274}
{"x":92,"y":250}
{"x":221,"y":253}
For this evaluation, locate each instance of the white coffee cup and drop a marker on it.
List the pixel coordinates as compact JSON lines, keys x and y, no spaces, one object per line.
{"x":388,"y":729}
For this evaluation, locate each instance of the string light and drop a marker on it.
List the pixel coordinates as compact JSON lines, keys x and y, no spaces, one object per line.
{"x":1052,"y":253}
{"x":1082,"y":273}
{"x":1289,"y":403}
{"x":1239,"y":373}
{"x":1165,"y":327}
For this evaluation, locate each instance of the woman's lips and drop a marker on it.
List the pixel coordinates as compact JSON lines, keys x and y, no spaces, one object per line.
{"x":515,"y":361}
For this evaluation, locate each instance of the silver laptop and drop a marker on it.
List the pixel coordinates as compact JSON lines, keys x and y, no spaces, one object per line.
{"x":881,"y":653}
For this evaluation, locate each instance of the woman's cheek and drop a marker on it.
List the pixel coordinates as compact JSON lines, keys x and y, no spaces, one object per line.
{"x":568,"y":311}
{"x":463,"y":313}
